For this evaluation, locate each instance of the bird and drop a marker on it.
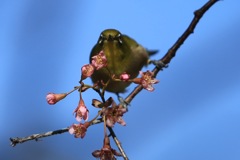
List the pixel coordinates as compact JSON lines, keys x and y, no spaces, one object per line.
{"x":123,"y":54}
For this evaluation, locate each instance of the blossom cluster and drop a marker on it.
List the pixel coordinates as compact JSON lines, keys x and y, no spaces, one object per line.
{"x":98,"y":61}
{"x":110,"y":112}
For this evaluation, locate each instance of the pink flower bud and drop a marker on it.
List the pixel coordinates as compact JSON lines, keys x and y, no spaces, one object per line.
{"x":124,"y":77}
{"x":53,"y":98}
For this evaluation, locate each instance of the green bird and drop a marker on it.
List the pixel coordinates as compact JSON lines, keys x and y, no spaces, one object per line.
{"x":124,"y":55}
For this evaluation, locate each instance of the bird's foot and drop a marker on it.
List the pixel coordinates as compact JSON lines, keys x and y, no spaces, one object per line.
{"x":122,"y":101}
{"x":159,"y":64}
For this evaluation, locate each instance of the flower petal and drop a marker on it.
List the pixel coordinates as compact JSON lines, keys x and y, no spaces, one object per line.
{"x":71,"y":130}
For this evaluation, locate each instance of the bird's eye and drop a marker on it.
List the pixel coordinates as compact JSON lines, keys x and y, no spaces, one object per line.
{"x":101,"y":39}
{"x":119,"y":38}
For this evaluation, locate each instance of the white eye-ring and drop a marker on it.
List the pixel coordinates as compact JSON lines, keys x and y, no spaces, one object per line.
{"x":100,"y":39}
{"x":119,"y":38}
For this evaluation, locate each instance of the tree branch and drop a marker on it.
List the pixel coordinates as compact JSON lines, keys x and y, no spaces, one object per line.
{"x":172,"y":51}
{"x":165,"y":60}
{"x":197,"y":16}
{"x":118,"y":143}
{"x":16,"y":140}
{"x":36,"y":137}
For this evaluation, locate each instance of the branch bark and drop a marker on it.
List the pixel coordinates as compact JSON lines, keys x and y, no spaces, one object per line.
{"x":16,"y":140}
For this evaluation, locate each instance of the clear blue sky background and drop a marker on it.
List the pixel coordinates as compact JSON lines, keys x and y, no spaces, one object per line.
{"x":193,"y":114}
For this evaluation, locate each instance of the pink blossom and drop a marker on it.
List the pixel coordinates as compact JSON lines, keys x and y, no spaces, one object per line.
{"x":81,"y":112}
{"x":114,"y":114}
{"x":79,"y":130}
{"x":53,"y":98}
{"x":99,"y":61}
{"x":147,"y":80}
{"x":121,"y":121}
{"x":106,"y":153}
{"x":87,"y":71}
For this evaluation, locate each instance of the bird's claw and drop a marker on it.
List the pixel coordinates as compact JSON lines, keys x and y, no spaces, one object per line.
{"x":122,"y":101}
{"x":159,"y":64}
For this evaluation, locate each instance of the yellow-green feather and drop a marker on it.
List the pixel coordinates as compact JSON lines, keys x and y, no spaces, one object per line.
{"x":127,"y":56}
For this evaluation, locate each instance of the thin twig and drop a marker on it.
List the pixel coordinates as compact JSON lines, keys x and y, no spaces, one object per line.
{"x":16,"y":140}
{"x":172,"y":51}
{"x":197,"y":16}
{"x":117,"y":143}
{"x":36,"y":137}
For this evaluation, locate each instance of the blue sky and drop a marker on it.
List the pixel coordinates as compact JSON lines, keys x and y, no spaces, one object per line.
{"x":192,"y":114}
